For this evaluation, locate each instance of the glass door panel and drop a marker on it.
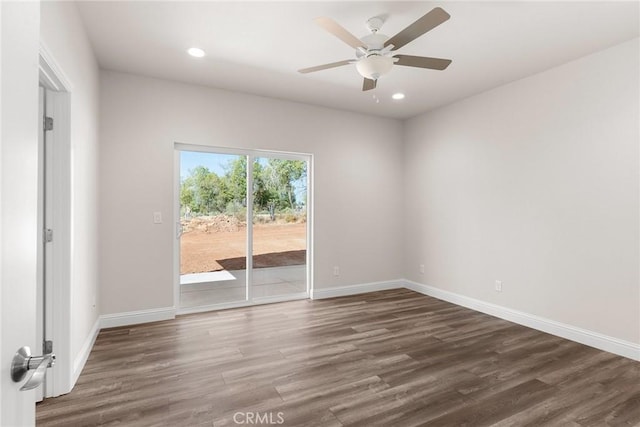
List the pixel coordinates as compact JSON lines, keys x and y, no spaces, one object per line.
{"x":213,"y":212}
{"x":279,"y":233}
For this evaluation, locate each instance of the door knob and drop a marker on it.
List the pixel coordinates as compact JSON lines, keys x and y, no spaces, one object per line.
{"x":23,"y":364}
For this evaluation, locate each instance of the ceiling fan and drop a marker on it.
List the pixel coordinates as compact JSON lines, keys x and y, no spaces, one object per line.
{"x":375,"y":53}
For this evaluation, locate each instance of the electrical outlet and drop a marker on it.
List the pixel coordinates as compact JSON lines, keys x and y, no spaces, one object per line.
{"x":336,"y":271}
{"x":421,"y":268}
{"x":498,"y":285}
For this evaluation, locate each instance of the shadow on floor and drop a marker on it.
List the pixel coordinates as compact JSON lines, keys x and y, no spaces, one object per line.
{"x":274,"y":259}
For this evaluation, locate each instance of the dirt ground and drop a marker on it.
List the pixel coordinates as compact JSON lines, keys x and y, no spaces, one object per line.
{"x":216,"y":243}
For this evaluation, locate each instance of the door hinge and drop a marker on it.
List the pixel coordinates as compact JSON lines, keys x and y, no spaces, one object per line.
{"x":48,"y":123}
{"x":47,"y":347}
{"x":48,"y":235}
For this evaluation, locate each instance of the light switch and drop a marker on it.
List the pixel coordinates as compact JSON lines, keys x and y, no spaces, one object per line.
{"x":157,"y":217}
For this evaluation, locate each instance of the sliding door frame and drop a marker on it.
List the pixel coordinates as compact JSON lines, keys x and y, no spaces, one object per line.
{"x":251,"y":155}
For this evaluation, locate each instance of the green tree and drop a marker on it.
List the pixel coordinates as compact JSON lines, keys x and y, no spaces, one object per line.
{"x":235,"y":179}
{"x":203,"y":192}
{"x":265,"y":189}
{"x":274,"y":187}
{"x":187,"y":195}
{"x":286,"y":173}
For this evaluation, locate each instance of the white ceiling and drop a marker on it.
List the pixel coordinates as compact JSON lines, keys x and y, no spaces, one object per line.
{"x":257,"y":47}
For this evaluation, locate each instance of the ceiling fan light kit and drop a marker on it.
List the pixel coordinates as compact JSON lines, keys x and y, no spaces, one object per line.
{"x":374,"y":66}
{"x":375,"y":55}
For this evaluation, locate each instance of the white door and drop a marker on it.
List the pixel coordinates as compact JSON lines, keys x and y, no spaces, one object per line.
{"x":19,"y":41}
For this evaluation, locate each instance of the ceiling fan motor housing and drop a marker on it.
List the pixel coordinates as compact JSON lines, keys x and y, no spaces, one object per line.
{"x":375,"y":41}
{"x":374,"y":62}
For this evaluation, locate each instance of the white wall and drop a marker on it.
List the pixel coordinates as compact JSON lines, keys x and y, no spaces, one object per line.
{"x":357,"y":181}
{"x":535,"y":183}
{"x":63,"y":34}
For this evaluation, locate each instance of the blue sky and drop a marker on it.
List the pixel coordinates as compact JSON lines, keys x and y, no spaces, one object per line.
{"x":212,"y":161}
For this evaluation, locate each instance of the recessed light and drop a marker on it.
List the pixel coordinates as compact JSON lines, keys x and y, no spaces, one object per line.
{"x":196,"y":52}
{"x":398,"y":96}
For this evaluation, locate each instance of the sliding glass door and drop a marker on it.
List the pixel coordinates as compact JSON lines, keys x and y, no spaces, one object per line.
{"x":213,"y":240}
{"x":243,"y":228}
{"x":279,"y":223}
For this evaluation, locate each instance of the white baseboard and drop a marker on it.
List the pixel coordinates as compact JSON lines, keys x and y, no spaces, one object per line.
{"x":573,"y":333}
{"x":362,"y":288}
{"x":83,"y":354}
{"x":137,"y":317}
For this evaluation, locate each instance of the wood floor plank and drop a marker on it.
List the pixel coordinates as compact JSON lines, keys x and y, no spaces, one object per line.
{"x":390,"y":358}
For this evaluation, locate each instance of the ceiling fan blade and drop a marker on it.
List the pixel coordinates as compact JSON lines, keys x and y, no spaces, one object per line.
{"x":422,"y":62}
{"x":337,"y":30}
{"x":428,"y":22}
{"x":325,"y":66}
{"x":368,"y":84}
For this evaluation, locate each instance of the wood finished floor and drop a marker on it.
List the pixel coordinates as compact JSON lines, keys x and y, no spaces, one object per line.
{"x":391,"y":358}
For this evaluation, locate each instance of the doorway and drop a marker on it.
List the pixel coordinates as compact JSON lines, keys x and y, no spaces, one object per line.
{"x":243,"y":227}
{"x":54,"y":227}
